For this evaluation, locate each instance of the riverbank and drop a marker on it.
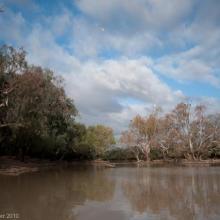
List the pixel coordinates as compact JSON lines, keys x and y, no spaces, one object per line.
{"x":182,"y":162}
{"x":12,"y":167}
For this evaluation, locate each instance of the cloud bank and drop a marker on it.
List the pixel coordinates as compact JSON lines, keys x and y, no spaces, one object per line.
{"x":121,"y":58}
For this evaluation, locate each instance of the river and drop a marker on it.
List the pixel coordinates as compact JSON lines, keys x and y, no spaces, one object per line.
{"x":121,"y":193}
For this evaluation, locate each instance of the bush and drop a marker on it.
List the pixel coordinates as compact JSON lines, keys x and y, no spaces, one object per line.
{"x":118,"y":154}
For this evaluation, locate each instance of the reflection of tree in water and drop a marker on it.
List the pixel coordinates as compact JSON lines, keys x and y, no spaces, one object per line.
{"x":53,"y":194}
{"x":182,"y":193}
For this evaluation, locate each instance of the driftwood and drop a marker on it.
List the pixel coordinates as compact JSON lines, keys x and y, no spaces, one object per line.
{"x":11,"y":125}
{"x":103,"y":163}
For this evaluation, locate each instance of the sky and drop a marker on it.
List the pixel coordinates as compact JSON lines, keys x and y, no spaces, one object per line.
{"x":120,"y":58}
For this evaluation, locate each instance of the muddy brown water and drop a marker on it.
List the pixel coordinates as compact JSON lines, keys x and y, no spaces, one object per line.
{"x":121,"y":193}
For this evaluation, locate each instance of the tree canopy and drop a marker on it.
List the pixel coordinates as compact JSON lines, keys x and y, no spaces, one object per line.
{"x":38,"y":118}
{"x":185,"y":132}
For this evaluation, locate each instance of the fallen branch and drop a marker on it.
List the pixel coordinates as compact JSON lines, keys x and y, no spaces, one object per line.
{"x":11,"y":125}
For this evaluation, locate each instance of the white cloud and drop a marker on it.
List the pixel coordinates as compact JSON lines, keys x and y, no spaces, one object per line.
{"x":199,"y":63}
{"x":211,"y":103}
{"x":43,"y":50}
{"x":60,"y":24}
{"x":135,"y":15}
{"x":97,"y":86}
{"x":12,"y":26}
{"x":130,"y":27}
{"x":92,"y":39}
{"x":122,"y":78}
{"x":103,"y":88}
{"x":185,"y":68}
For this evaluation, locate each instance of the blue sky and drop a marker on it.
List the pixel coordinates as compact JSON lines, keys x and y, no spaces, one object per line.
{"x":122,"y":57}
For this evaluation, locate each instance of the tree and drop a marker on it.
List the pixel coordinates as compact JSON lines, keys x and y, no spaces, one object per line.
{"x":33,"y":104}
{"x":130,"y":140}
{"x":142,"y":133}
{"x":12,"y":62}
{"x":166,"y":137}
{"x":39,"y":106}
{"x":100,"y":137}
{"x":205,"y":132}
{"x":182,"y":118}
{"x":214,"y":148}
{"x":195,"y":132}
{"x":185,"y":132}
{"x":36,"y":116}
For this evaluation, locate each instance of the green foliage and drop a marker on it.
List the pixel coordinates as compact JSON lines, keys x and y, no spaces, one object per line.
{"x":83,"y":151}
{"x":100,"y":138}
{"x":156,"y":153}
{"x":119,"y":154}
{"x":37,"y":118}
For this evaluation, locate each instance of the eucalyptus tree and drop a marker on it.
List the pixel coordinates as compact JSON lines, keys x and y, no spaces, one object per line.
{"x":185,"y":132}
{"x":130,"y":140}
{"x":206,"y":130}
{"x":33,"y":103}
{"x":196,"y":133}
{"x":12,"y":62}
{"x":100,"y":137}
{"x":141,"y":135}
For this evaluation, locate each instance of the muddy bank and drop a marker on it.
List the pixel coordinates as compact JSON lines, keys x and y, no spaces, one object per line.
{"x":12,"y":167}
{"x":182,"y":162}
{"x":102,"y":163}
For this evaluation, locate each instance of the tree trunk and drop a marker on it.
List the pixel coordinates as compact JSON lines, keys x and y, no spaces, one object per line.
{"x":146,"y":152}
{"x":164,"y":157}
{"x":147,"y":157}
{"x":137,"y":157}
{"x":191,"y":150}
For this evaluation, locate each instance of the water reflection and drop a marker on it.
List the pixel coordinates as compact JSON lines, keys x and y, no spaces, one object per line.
{"x":53,"y":194}
{"x":175,"y":193}
{"x":120,"y":193}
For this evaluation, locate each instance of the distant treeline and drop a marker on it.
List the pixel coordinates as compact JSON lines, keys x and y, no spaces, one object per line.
{"x":37,"y":119}
{"x":187,"y":132}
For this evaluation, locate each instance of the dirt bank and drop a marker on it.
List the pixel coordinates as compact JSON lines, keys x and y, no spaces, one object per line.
{"x":11,"y":166}
{"x":182,"y":162}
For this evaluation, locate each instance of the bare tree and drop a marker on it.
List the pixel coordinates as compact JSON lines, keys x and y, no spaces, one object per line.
{"x":130,"y":140}
{"x":205,"y":131}
{"x":142,"y":134}
{"x":186,"y":131}
{"x":182,"y":117}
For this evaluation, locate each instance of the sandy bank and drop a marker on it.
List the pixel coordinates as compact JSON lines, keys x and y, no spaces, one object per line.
{"x":12,"y":167}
